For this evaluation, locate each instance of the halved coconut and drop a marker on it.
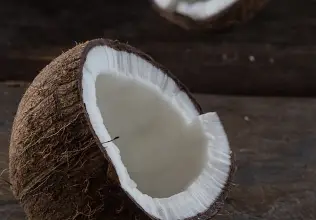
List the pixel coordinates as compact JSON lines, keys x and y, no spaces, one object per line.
{"x":167,"y":160}
{"x":213,"y":14}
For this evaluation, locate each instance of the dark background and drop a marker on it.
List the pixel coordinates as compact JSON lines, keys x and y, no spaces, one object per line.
{"x":281,"y":39}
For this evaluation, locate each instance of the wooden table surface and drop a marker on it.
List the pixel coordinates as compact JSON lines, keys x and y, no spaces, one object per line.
{"x":274,"y":54}
{"x":274,"y":141}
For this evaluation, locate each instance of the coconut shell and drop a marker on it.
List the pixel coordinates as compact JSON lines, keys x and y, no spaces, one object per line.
{"x":57,"y":166}
{"x":240,"y":12}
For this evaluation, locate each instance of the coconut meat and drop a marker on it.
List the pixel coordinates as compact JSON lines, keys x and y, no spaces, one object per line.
{"x":172,"y":161}
{"x":195,"y":9}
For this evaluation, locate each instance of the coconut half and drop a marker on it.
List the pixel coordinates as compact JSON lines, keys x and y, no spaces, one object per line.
{"x":167,"y":159}
{"x":214,"y":14}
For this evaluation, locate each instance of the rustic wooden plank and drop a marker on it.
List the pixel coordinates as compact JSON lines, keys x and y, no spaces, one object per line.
{"x":274,"y":141}
{"x":274,"y":70}
{"x":273,"y":54}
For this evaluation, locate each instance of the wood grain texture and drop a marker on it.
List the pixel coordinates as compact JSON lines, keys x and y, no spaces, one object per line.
{"x":274,"y":141}
{"x":273,"y":54}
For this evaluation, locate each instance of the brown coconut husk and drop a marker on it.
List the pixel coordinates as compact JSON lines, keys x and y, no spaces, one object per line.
{"x":240,"y":12}
{"x":57,"y":168}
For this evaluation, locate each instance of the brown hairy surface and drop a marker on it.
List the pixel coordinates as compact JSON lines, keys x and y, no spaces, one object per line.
{"x":242,"y":11}
{"x":56,"y":167}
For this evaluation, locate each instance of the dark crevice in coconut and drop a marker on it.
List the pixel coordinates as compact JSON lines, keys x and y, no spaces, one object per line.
{"x":230,"y":14}
{"x":115,"y":138}
{"x":65,"y":175}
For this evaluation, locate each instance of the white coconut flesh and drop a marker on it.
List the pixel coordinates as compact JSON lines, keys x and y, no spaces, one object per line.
{"x":195,"y":9}
{"x":172,"y":161}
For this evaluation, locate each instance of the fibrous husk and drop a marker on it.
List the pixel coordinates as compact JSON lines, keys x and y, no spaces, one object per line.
{"x":240,"y":12}
{"x":58,"y":168}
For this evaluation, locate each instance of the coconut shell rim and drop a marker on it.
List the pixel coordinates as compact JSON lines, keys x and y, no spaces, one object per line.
{"x":207,"y":23}
{"x":218,"y":203}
